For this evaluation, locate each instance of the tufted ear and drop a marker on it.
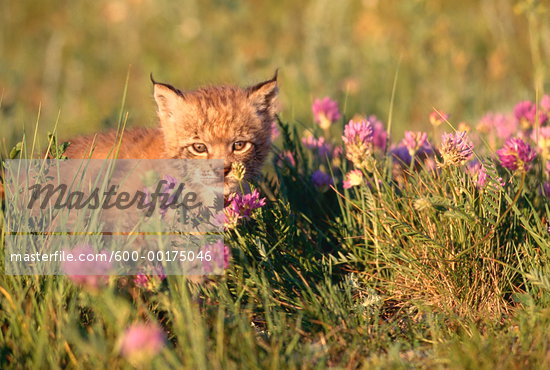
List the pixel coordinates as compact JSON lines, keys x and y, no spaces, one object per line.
{"x":264,"y":95}
{"x":167,"y":97}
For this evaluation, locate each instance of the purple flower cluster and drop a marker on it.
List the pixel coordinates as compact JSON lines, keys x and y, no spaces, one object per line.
{"x":361,"y":136}
{"x":241,"y":207}
{"x":321,"y":180}
{"x":380,"y":135}
{"x":150,"y":281}
{"x":360,"y":132}
{"x":516,"y":154}
{"x":503,"y":125}
{"x":478,"y":173}
{"x":400,"y":155}
{"x":325,"y":112}
{"x":320,"y":145}
{"x":526,"y":113}
{"x":141,"y":342}
{"x":415,"y":141}
{"x":358,"y":137}
{"x":456,"y":148}
{"x":414,"y":145}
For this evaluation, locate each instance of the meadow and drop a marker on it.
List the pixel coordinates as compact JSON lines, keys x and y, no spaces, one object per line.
{"x":401,"y":222}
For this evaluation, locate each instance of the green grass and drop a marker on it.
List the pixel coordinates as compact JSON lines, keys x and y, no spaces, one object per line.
{"x":318,"y":279}
{"x":417,"y":270}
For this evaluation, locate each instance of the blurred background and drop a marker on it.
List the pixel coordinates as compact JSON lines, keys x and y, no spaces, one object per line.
{"x":70,"y":59}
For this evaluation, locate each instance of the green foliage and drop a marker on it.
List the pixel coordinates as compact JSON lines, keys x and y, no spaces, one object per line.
{"x":416,"y":267}
{"x":424,"y":269}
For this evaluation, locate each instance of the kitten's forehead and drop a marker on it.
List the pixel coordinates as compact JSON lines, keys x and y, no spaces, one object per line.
{"x":223,"y":112}
{"x":219,"y":99}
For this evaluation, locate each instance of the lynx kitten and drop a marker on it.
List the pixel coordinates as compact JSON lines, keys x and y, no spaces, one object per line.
{"x":224,"y":122}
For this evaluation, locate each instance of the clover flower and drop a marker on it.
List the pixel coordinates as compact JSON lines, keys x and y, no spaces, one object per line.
{"x":218,"y":254}
{"x":380,"y":135}
{"x":353,"y":178}
{"x":455,"y":148}
{"x":325,"y":112}
{"x":437,"y":118}
{"x":320,"y":146}
{"x":358,"y":137}
{"x":238,"y":207}
{"x":503,"y":125}
{"x":526,"y":114}
{"x":141,"y":280}
{"x":310,"y":142}
{"x":229,"y":218}
{"x":546,"y":189}
{"x":241,"y":206}
{"x":88,"y":268}
{"x":478,"y":173}
{"x":516,"y":155}
{"x":402,"y":159}
{"x":400,"y":155}
{"x":151,"y":281}
{"x":321,"y":180}
{"x":415,"y":141}
{"x":141,"y":342}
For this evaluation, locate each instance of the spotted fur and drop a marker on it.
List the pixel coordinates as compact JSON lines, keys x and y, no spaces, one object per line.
{"x":217,"y":116}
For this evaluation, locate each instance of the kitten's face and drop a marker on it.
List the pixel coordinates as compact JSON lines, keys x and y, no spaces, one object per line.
{"x":223,"y":122}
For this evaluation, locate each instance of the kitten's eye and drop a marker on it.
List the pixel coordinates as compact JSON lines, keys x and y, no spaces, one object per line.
{"x":198,"y":148}
{"x":241,"y":146}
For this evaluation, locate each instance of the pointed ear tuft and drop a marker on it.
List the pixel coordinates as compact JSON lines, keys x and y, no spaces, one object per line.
{"x":167,"y":98}
{"x":264,"y":95}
